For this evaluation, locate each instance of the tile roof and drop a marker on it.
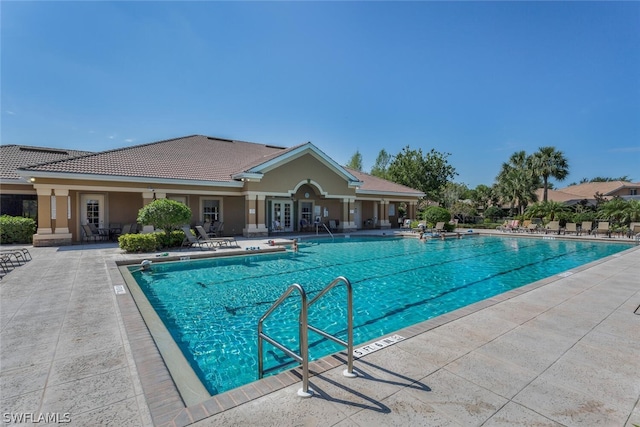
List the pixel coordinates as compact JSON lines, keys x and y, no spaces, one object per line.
{"x":196,"y":157}
{"x":14,"y":156}
{"x":587,"y":190}
{"x":374,"y":184}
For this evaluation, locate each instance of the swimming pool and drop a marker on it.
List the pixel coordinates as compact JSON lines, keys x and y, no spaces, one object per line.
{"x":211,"y":307}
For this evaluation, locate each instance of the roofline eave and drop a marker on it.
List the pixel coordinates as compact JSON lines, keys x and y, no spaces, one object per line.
{"x":388,"y":193}
{"x":27,"y":174}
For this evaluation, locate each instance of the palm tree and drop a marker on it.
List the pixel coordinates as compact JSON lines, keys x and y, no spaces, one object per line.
{"x":549,"y":210}
{"x":549,"y":162}
{"x":516,"y":183}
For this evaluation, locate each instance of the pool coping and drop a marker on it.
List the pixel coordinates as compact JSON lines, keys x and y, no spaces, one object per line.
{"x":166,"y":404}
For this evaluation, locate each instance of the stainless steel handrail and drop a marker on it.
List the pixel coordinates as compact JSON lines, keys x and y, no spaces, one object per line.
{"x":303,"y":357}
{"x":349,"y":343}
{"x":326,"y":228}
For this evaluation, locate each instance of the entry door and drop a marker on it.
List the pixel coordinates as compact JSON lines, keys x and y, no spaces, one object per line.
{"x":92,"y":210}
{"x":281,"y":212}
{"x":357,"y":214}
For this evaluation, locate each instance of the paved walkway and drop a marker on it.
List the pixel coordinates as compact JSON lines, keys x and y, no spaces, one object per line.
{"x":562,"y":351}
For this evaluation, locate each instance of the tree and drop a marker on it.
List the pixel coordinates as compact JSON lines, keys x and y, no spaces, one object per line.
{"x":379,"y":169}
{"x":482,"y":196}
{"x":549,"y":162}
{"x":550,"y":210}
{"x":428,"y":173}
{"x":516,"y":184}
{"x":452,"y":192}
{"x":356,"y":161}
{"x":165,"y":214}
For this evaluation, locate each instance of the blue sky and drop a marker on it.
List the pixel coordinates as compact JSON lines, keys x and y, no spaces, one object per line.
{"x":478,"y":80}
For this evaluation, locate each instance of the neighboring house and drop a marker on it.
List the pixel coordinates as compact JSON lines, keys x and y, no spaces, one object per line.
{"x":585,"y":193}
{"x":255,"y":189}
{"x":18,"y":197}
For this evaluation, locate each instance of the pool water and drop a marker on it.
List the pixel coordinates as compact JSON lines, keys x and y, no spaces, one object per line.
{"x":211,"y":307}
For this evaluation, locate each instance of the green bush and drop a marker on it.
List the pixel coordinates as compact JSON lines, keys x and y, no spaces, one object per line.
{"x":171,"y":240}
{"x":150,"y":242}
{"x":434,"y":214}
{"x":493,"y":213}
{"x":16,"y":229}
{"x":165,"y":214}
{"x":139,"y":242}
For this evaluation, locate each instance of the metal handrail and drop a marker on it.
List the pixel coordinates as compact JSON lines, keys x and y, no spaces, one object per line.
{"x":326,"y":228}
{"x":303,"y":357}
{"x":349,"y":343}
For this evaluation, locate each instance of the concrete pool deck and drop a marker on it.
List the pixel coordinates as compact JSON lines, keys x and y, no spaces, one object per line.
{"x":561,"y":351}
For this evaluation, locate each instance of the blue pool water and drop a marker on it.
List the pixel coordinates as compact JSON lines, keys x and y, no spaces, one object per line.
{"x":211,"y":307}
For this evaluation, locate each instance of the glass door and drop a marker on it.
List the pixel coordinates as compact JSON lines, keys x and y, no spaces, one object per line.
{"x":282,"y":215}
{"x":92,"y":210}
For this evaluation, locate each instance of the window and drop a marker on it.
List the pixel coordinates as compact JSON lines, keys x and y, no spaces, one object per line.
{"x":633,"y":192}
{"x":210,"y":210}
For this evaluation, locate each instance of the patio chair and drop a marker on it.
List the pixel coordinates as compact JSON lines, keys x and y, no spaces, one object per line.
{"x":571,"y":227}
{"x":215,"y":229}
{"x":439,"y":227}
{"x":553,"y":227}
{"x":89,"y":233}
{"x":586,"y":227}
{"x":304,"y":225}
{"x":602,"y":228}
{"x":190,"y":240}
{"x":204,"y":237}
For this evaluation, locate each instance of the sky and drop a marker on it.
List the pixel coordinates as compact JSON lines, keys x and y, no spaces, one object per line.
{"x":476,"y":81}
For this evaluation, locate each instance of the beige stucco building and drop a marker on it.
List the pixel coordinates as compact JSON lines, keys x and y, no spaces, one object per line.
{"x":254,"y":189}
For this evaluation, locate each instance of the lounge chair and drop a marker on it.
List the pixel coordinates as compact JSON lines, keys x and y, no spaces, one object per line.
{"x":553,"y":227}
{"x":571,"y":227}
{"x":333,"y":226}
{"x":190,"y":240}
{"x":509,"y":226}
{"x":532,"y":228}
{"x":219,"y":241}
{"x":603,"y":228}
{"x":439,"y":227}
{"x":304,"y":225}
{"x":586,"y":227}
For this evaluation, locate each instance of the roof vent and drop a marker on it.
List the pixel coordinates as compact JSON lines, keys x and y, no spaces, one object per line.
{"x":219,"y":139}
{"x":44,"y":150}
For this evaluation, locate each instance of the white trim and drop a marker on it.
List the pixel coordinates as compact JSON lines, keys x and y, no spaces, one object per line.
{"x":298,"y":152}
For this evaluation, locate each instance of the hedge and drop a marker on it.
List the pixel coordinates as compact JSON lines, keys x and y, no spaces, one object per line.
{"x":150,"y":242}
{"x":16,"y":229}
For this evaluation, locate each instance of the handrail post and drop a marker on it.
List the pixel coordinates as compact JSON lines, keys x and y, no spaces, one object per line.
{"x":303,"y":357}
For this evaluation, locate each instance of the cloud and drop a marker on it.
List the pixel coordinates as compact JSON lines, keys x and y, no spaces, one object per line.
{"x":129,"y":140}
{"x":12,"y":113}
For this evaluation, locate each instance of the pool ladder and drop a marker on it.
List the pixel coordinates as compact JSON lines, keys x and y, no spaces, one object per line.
{"x":304,"y":326}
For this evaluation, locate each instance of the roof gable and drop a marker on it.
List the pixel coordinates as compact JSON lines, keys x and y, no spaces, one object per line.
{"x":288,"y":155}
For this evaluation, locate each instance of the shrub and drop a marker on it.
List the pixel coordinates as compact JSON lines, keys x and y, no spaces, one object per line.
{"x":139,"y":242}
{"x":435,"y":214}
{"x":171,"y":240}
{"x":16,"y":229}
{"x":165,"y":214}
{"x":493,"y":213}
{"x":150,"y":242}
